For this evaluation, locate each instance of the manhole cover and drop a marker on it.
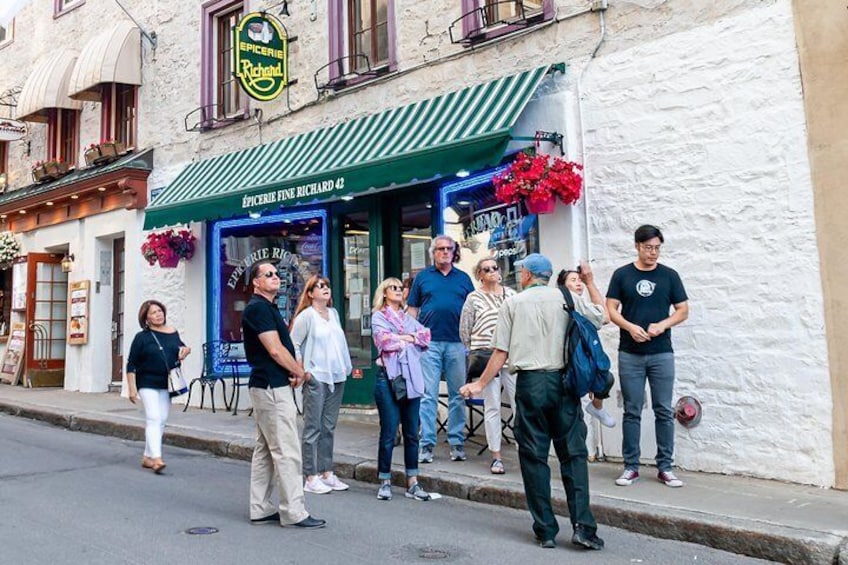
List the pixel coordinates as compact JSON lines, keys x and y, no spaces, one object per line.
{"x":430,"y":553}
{"x":202,"y":531}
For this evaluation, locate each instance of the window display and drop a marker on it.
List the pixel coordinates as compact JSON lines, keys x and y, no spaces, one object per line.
{"x":295,"y":243}
{"x":485,"y":227}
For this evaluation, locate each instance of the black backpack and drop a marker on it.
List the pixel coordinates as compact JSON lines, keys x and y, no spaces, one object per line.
{"x":587,"y":367}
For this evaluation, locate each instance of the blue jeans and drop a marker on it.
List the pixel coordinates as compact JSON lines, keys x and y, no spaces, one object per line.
{"x":448,"y":358}
{"x":393,"y":412}
{"x":658,"y":370}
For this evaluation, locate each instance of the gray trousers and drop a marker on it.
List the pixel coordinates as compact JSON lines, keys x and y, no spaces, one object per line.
{"x":320,"y":414}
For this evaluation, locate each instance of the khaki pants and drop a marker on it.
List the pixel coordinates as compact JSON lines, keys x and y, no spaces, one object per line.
{"x":276,"y":456}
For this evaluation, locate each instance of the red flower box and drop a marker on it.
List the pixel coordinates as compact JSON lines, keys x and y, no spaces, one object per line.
{"x":539,"y":180}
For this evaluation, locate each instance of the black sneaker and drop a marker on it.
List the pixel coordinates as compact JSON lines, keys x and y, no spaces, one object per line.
{"x":273,"y":518}
{"x":584,"y":538}
{"x":457,"y":453}
{"x":309,"y":522}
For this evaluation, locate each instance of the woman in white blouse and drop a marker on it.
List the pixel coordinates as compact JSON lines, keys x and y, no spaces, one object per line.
{"x":321,"y":348}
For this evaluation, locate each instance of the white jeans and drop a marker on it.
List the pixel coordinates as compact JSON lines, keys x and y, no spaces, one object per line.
{"x":157,"y":404}
{"x":492,"y":406}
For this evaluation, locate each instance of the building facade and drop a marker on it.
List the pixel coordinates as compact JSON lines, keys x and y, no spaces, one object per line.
{"x":397,"y":116}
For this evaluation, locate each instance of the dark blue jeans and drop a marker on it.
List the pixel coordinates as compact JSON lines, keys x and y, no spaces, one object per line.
{"x":394,"y":412}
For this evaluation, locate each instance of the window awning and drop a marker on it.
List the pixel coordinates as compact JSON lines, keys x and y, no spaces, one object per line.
{"x":110,"y":56}
{"x":467,"y":129}
{"x":47,"y":87}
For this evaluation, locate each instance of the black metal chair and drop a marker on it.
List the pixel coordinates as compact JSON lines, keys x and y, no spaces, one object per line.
{"x":212,"y":351}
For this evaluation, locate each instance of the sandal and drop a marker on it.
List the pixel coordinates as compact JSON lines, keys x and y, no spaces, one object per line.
{"x":497,"y":467}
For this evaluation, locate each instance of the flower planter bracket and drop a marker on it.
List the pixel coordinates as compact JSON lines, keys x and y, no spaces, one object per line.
{"x":550,"y":136}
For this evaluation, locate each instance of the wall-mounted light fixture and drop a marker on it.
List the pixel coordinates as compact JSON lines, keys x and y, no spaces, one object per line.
{"x":67,"y":263}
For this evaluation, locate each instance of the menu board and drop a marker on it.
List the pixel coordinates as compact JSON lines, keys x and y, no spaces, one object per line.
{"x":78,"y":313}
{"x":10,"y":366}
{"x":19,"y":283}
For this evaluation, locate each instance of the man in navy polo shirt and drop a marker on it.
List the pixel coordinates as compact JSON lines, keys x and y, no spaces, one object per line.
{"x":436,"y":300}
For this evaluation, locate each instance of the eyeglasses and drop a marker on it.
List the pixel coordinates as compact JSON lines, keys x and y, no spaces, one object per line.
{"x":492,"y":269}
{"x":650,"y":248}
{"x":395,"y":288}
{"x":443,"y":249}
{"x":322,"y":285}
{"x":270,"y":274}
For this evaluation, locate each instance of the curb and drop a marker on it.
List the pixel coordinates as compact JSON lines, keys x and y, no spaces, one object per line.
{"x":753,"y":538}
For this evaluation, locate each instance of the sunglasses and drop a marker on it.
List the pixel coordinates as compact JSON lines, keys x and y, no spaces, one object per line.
{"x":492,"y":269}
{"x":395,"y":288}
{"x":444,"y":248}
{"x":270,"y":274}
{"x":321,"y":285}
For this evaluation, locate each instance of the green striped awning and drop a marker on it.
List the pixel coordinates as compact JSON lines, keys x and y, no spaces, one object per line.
{"x":467,"y":129}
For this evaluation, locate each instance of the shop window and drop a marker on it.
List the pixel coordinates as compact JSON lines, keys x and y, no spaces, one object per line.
{"x":7,"y":34}
{"x":296,"y":243}
{"x":221,"y":97}
{"x":118,"y":114}
{"x":64,"y":6}
{"x":5,"y":301}
{"x":485,"y":227}
{"x":63,"y":135}
{"x":362,"y":40}
{"x":487,"y":19}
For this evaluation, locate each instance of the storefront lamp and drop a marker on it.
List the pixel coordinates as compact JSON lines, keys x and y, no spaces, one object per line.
{"x":67,"y":263}
{"x":462,"y":173}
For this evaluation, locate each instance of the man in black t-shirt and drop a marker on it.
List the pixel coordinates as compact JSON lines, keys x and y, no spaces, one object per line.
{"x":640,"y":296}
{"x":274,"y":370}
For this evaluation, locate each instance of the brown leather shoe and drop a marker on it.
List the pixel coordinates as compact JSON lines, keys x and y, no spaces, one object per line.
{"x":147,"y":462}
{"x":158,"y":466}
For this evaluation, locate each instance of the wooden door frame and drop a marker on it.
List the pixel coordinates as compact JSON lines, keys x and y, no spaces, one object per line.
{"x":30,"y":359}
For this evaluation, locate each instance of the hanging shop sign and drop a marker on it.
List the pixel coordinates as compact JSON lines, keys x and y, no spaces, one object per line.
{"x":12,"y":130}
{"x":261,"y":55}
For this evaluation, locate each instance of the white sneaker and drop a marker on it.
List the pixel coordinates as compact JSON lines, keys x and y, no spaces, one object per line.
{"x":601,"y":414}
{"x":669,"y":479}
{"x":333,"y":482}
{"x":316,"y":486}
{"x":627,"y":478}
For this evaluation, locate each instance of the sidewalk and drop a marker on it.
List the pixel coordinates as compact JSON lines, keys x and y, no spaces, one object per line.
{"x":766,"y":519}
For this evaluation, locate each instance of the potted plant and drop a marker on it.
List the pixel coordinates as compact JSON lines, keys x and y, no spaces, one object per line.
{"x":10,"y":248}
{"x":104,"y":152}
{"x":168,"y":247}
{"x":50,"y":169}
{"x":538,"y":180}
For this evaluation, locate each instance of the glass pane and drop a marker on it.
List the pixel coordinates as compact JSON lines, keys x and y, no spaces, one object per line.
{"x":296,"y":247}
{"x":60,"y":311}
{"x":382,"y":45}
{"x":415,"y":228}
{"x":57,"y":349}
{"x":42,"y":310}
{"x":486,"y":228}
{"x":60,"y":292}
{"x":356,"y":256}
{"x":57,"y":329}
{"x":43,"y":291}
{"x":43,"y":271}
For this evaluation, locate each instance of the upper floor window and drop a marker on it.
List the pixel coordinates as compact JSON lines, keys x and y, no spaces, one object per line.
{"x":118,"y":118}
{"x":62,"y":6}
{"x":7,"y":34}
{"x":63,"y":135}
{"x":487,"y":19}
{"x":362,"y":39}
{"x":220,"y":96}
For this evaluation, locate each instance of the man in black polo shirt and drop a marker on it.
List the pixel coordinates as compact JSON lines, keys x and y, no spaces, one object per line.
{"x":274,"y":370}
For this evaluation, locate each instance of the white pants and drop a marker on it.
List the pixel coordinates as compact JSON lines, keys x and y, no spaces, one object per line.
{"x":492,"y":406}
{"x":157,"y":404}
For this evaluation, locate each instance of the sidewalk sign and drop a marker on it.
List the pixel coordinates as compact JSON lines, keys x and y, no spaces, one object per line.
{"x":10,"y":366}
{"x":78,"y":309}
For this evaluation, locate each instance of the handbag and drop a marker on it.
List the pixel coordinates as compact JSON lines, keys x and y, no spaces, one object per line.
{"x":477,"y":361}
{"x":177,"y":385}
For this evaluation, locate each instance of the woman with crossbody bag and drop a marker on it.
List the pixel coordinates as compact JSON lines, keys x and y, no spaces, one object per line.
{"x":476,"y":327}
{"x":154,"y":352}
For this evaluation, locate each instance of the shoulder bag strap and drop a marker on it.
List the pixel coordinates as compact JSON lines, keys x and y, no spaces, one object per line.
{"x":161,"y":350}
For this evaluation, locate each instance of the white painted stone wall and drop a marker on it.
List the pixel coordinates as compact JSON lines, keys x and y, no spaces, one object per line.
{"x":692,"y":119}
{"x":702,"y":133}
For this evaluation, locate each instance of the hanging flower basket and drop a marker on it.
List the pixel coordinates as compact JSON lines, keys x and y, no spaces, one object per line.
{"x":168,"y":247}
{"x":538,"y":180}
{"x":10,"y":248}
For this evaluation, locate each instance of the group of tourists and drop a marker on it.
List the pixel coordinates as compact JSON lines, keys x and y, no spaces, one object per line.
{"x":481,"y":342}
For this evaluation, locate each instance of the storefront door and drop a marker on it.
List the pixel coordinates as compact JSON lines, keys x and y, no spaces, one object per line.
{"x":118,"y":309}
{"x":46,"y":319}
{"x":381,"y":236}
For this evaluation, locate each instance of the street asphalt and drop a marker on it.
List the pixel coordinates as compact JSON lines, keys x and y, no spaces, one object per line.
{"x":770,"y":520}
